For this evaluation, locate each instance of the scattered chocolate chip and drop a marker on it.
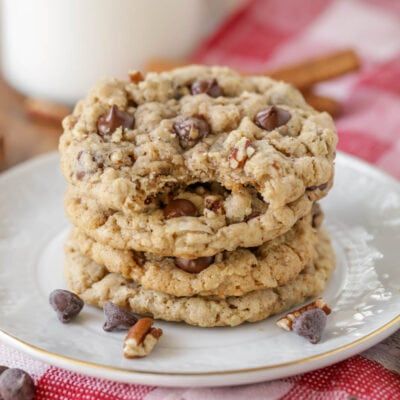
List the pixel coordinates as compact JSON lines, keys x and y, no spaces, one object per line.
{"x":66,"y":304}
{"x":113,"y":119}
{"x":319,"y":187}
{"x":317,"y":215}
{"x":310,"y":324}
{"x":16,"y":384}
{"x":139,"y":257}
{"x":208,"y":86}
{"x":253,"y":214}
{"x":194,"y":266}
{"x":180,"y":208}
{"x":272,"y":117}
{"x":190,"y":130}
{"x":117,"y":318}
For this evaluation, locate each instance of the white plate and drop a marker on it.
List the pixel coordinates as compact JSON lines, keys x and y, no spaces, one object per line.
{"x":363,"y":216}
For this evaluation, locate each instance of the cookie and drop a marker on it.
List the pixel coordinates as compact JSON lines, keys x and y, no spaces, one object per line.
{"x":130,"y":144}
{"x":95,"y":285}
{"x":272,"y":264}
{"x":183,"y":236}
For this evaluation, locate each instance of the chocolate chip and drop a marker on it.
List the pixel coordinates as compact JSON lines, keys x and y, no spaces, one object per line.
{"x":190,"y":130}
{"x":66,"y":304}
{"x":310,"y":324}
{"x":316,"y":215}
{"x":272,"y":117}
{"x":319,"y":187}
{"x":113,"y":119}
{"x":253,"y":214}
{"x":180,"y":208}
{"x":117,"y":318}
{"x":16,"y":384}
{"x":80,"y":175}
{"x":194,"y":266}
{"x":208,"y":86}
{"x":139,"y":257}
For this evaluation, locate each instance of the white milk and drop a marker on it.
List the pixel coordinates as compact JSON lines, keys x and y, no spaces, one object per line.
{"x":57,"y":49}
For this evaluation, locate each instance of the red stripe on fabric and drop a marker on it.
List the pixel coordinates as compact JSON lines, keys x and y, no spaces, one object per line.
{"x":251,"y":35}
{"x":368,"y":147}
{"x":58,"y":384}
{"x":388,"y":5}
{"x":385,"y":76}
{"x":356,"y":376}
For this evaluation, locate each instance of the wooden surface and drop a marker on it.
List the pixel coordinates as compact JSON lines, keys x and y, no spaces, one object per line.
{"x":23,"y":137}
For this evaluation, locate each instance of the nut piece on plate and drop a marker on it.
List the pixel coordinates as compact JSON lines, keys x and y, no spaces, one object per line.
{"x":141,"y":339}
{"x":308,"y":321}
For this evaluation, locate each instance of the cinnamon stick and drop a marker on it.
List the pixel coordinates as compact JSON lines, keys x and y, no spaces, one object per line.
{"x":323,"y":103}
{"x":302,"y":75}
{"x":305,"y":74}
{"x":47,"y":111}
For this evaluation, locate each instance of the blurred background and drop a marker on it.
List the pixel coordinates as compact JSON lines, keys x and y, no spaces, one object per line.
{"x":344,"y":55}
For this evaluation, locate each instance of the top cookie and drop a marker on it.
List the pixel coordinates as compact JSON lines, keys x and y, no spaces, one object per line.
{"x":129,"y":144}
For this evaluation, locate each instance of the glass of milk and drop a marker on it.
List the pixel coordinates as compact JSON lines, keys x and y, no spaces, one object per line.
{"x":57,"y":49}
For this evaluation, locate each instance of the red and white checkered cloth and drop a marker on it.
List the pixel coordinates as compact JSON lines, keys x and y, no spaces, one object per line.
{"x":266,"y":34}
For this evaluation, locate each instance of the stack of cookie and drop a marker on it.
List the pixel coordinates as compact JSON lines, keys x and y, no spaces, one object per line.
{"x":193,"y":196}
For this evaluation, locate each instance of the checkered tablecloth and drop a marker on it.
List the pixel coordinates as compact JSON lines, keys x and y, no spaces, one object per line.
{"x":262,"y":35}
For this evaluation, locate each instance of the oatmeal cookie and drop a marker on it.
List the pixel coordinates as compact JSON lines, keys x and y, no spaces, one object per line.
{"x":235,"y":273}
{"x":95,"y":285}
{"x":130,"y":144}
{"x":187,"y":228}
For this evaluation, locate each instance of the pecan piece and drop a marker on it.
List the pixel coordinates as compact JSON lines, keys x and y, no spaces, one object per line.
{"x":141,"y":339}
{"x":135,"y":76}
{"x":241,"y":152}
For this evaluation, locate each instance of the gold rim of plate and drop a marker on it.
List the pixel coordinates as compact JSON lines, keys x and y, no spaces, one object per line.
{"x":38,"y":350}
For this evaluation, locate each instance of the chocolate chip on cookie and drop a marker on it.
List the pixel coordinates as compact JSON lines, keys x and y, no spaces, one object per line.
{"x":191,"y":130}
{"x":66,"y":304}
{"x":253,"y":214}
{"x":317,"y":216}
{"x":180,"y":208}
{"x":113,"y":119}
{"x":319,"y":187}
{"x":194,"y":266}
{"x":208,"y":86}
{"x":117,"y":318}
{"x":272,"y":117}
{"x":139,"y":257}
